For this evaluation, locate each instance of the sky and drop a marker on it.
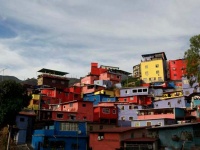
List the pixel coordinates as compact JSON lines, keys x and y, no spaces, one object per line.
{"x":67,"y":35}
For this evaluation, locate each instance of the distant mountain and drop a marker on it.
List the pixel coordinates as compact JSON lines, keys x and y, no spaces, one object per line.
{"x":33,"y":81}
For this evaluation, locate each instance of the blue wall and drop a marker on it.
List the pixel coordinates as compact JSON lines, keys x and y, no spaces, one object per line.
{"x":44,"y":138}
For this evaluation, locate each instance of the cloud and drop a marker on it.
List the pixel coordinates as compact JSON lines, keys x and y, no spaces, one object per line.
{"x":69,"y":35}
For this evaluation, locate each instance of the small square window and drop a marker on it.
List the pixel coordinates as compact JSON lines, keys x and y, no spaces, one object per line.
{"x":123,"y":118}
{"x":130,"y":107}
{"x":70,"y":104}
{"x":157,"y":71}
{"x":146,"y":66}
{"x":131,"y":118}
{"x":146,"y":73}
{"x":83,"y":105}
{"x":157,"y":65}
{"x":22,"y":119}
{"x":114,"y":111}
{"x":122,"y":107}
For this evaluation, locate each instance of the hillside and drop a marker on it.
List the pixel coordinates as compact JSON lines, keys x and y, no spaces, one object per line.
{"x":33,"y":81}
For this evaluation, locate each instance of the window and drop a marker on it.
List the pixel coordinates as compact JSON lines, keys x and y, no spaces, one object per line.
{"x":83,"y":105}
{"x":91,"y":128}
{"x":173,"y":68}
{"x":59,"y":115}
{"x":22,"y":119}
{"x":149,"y":79}
{"x":130,"y":107}
{"x":157,"y":65}
{"x":148,"y":123}
{"x":131,"y":118}
{"x":84,"y":117}
{"x":145,"y":79}
{"x":144,"y":90}
{"x":134,"y":91}
{"x":125,"y":99}
{"x":135,"y":107}
{"x":70,"y":104}
{"x":159,"y":78}
{"x":127,"y":91}
{"x":139,"y":90}
{"x":146,"y":66}
{"x":146,"y":73}
{"x":122,"y":107}
{"x":62,"y":82}
{"x":74,"y":146}
{"x":106,"y":110}
{"x":114,"y":111}
{"x":123,"y":118}
{"x":131,"y":98}
{"x":118,"y":77}
{"x":101,"y":127}
{"x":137,"y":124}
{"x":157,"y":71}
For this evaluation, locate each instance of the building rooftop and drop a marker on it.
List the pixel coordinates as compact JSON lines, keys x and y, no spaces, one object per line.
{"x":145,"y":139}
{"x":118,"y":129}
{"x":174,"y":125}
{"x":54,"y":72}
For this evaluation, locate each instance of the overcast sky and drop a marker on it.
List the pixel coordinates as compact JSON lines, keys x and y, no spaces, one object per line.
{"x":67,"y":35}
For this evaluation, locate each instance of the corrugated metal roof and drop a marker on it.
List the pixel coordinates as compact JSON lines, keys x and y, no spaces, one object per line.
{"x":118,"y":129}
{"x":44,"y":70}
{"x":145,"y":139}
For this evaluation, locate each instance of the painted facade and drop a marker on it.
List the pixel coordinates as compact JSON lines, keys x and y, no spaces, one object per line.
{"x":181,"y":136}
{"x":177,"y":69}
{"x":153,"y":67}
{"x":114,"y":138}
{"x":152,"y":122}
{"x":105,"y":114}
{"x":171,"y":113}
{"x":136,"y":71}
{"x":61,"y":136}
{"x":126,"y":113}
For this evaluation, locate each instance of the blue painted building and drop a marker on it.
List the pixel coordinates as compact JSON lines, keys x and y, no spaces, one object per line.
{"x":96,"y":99}
{"x":61,"y":136}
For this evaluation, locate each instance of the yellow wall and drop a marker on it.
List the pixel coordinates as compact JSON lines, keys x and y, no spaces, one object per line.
{"x":151,"y":71}
{"x":107,"y":92}
{"x":34,"y":106}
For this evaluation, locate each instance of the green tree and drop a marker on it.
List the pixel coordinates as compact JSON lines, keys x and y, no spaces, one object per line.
{"x":13,"y":98}
{"x":192,"y":57}
{"x":131,"y":82}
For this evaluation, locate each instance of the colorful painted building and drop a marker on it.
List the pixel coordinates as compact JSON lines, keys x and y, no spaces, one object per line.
{"x":62,"y":135}
{"x":177,"y":69}
{"x":120,"y":138}
{"x":154,"y":67}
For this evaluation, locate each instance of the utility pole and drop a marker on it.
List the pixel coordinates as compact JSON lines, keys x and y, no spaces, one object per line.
{"x":3,"y":72}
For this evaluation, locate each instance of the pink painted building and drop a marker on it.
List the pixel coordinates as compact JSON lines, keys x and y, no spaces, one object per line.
{"x":115,"y":78}
{"x":91,"y":88}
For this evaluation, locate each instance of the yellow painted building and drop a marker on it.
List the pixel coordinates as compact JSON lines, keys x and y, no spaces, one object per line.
{"x":153,"y":68}
{"x":106,"y":92}
{"x":34,"y":102}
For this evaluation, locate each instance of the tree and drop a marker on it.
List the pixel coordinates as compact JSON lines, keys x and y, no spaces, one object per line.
{"x":13,"y":98}
{"x":192,"y":57}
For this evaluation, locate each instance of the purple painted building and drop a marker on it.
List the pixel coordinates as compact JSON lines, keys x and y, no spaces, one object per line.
{"x":179,"y":102}
{"x":126,"y":113}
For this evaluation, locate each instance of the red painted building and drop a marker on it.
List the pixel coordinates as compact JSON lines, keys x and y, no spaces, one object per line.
{"x":95,"y":70}
{"x":115,"y":138}
{"x":177,"y":69}
{"x":106,"y":113}
{"x":74,"y":110}
{"x":137,"y":99}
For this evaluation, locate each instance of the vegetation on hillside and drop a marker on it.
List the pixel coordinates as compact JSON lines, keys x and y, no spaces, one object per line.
{"x":13,"y":98}
{"x":192,"y":57}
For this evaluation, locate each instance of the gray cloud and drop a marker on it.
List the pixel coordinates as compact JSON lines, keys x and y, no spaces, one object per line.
{"x":69,"y":35}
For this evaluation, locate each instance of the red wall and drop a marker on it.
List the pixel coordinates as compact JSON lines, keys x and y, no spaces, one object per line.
{"x":111,"y":141}
{"x":138,"y":99}
{"x":177,"y":68}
